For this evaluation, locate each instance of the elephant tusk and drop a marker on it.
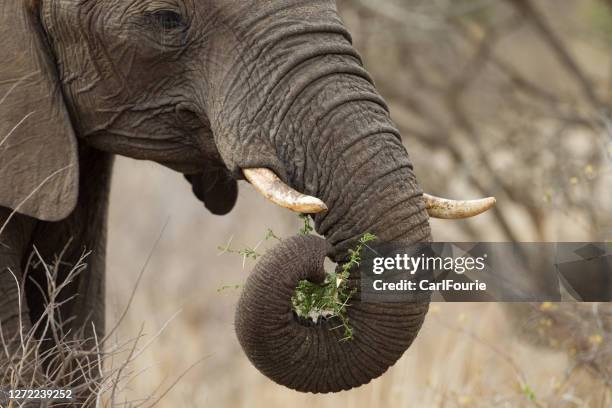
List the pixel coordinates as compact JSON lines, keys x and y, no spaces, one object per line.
{"x":274,"y":189}
{"x":450,"y":209}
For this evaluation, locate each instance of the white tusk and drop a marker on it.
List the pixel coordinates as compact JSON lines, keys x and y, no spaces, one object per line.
{"x":451,"y":210}
{"x":275,"y":190}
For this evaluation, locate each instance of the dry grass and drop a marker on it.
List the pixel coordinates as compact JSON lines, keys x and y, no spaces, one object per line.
{"x":68,"y":362}
{"x":96,"y":370}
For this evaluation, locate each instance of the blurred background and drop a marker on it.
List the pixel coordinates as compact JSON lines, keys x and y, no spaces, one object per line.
{"x":511,"y":98}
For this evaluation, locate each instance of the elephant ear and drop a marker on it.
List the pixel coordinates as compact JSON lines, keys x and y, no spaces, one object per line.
{"x":38,"y":148}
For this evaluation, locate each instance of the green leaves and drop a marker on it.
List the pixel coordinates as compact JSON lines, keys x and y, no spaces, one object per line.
{"x":313,"y":301}
{"x":307,"y":228}
{"x":331,"y":298}
{"x":247,"y":252}
{"x":529,"y":393}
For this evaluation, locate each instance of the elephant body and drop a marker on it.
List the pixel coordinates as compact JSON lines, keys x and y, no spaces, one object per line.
{"x":207,"y":88}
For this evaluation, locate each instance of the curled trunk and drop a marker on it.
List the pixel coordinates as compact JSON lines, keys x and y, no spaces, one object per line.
{"x":310,"y":357}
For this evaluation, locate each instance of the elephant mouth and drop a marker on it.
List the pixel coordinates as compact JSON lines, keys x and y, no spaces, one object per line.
{"x":215,"y":188}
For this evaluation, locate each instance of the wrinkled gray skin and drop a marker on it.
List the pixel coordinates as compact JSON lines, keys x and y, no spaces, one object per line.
{"x":205,"y":87}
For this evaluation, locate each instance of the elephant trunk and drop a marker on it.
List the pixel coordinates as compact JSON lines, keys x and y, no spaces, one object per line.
{"x":311,"y":357}
{"x":358,"y":166}
{"x":311,"y":114}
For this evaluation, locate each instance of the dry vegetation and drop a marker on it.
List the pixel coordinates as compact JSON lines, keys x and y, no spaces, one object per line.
{"x":511,"y":100}
{"x":96,"y":370}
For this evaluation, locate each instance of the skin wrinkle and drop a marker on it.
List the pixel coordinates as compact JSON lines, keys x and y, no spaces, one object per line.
{"x":408,"y":218}
{"x":318,"y":128}
{"x":319,"y":76}
{"x":304,"y":58}
{"x":124,"y":84}
{"x":90,"y":20}
{"x":127,"y":56}
{"x":294,"y":30}
{"x":355,"y":170}
{"x":285,"y":350}
{"x":234,"y":143}
{"x":262,"y":18}
{"x":172,"y":146}
{"x":342,"y":239}
{"x":227,"y":79}
{"x":349,"y":185}
{"x":330,"y":144}
{"x":327,"y":111}
{"x":222,"y":57}
{"x":404,"y":226}
{"x":259,"y":122}
{"x":348,"y":223}
{"x":365,"y":222}
{"x":306,"y":111}
{"x":329,"y":108}
{"x":244,"y":64}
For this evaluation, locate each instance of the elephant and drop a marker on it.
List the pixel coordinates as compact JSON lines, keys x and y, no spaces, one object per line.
{"x":266,"y":91}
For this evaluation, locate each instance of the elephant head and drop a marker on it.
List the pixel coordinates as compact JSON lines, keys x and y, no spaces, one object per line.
{"x":223,"y":90}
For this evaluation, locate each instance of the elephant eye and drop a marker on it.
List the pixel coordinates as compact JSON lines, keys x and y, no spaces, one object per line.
{"x":168,"y":20}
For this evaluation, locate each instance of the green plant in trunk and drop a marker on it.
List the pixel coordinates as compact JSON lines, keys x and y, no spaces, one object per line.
{"x":330,"y":298}
{"x":313,"y":301}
